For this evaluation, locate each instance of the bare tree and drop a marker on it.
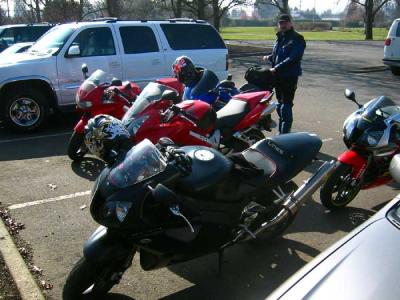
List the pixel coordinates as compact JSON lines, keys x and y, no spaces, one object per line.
{"x":174,"y":6}
{"x":221,"y":7}
{"x":371,"y":8}
{"x":282,"y":5}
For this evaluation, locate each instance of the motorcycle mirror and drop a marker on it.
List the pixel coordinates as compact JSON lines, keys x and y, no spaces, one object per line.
{"x":85,"y":70}
{"x":170,"y":95}
{"x":229,"y":77}
{"x":349,"y":94}
{"x":116,"y":82}
{"x":163,"y":194}
{"x":394,"y":168}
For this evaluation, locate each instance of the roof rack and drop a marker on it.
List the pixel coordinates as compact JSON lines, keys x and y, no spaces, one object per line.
{"x":107,"y":20}
{"x":185,"y":20}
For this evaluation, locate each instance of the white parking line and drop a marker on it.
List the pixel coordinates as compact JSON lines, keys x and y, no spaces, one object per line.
{"x":327,"y":140}
{"x":59,"y":198}
{"x":34,"y":137}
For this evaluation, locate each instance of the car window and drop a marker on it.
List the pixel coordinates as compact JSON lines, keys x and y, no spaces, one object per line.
{"x":398,"y":30}
{"x":38,"y":31}
{"x":95,"y":42}
{"x":192,"y":36}
{"x":138,"y":39}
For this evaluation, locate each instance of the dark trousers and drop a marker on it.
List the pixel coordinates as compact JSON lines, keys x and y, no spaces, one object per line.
{"x":285,"y":89}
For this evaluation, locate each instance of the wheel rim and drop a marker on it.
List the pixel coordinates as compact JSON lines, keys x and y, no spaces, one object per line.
{"x":24,"y":112}
{"x":344,"y":190}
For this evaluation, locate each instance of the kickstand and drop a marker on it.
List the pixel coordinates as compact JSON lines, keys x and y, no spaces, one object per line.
{"x":220,"y":261}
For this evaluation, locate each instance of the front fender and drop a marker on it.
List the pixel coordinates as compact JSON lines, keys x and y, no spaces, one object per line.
{"x":103,"y":247}
{"x":354,"y":159}
{"x":80,"y":126}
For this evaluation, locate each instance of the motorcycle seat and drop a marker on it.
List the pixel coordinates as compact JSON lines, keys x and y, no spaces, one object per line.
{"x":283,"y":157}
{"x":232,"y":113}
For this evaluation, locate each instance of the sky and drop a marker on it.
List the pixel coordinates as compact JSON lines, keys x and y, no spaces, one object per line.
{"x":320,"y":5}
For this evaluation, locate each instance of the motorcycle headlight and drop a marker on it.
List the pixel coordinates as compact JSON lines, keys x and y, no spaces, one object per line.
{"x":135,"y":124}
{"x":83,"y":104}
{"x":373,"y":138}
{"x":122,"y":209}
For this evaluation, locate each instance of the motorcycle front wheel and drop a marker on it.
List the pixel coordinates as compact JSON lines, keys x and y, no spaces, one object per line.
{"x":76,"y":147}
{"x":340,"y":189}
{"x":90,"y":279}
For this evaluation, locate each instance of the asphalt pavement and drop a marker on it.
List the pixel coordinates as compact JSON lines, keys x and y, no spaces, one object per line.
{"x":49,"y":194}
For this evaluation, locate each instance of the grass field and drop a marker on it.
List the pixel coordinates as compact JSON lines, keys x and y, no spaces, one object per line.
{"x":268,"y":33}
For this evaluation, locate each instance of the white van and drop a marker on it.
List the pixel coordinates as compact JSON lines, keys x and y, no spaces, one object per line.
{"x":47,"y":76}
{"x":391,"y":55}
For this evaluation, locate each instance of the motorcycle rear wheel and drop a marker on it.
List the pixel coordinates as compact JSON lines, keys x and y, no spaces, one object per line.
{"x":339,"y":190}
{"x":85,"y":276}
{"x":76,"y":147}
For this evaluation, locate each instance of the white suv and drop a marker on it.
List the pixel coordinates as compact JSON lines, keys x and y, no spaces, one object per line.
{"x":391,"y":55}
{"x":46,"y":77}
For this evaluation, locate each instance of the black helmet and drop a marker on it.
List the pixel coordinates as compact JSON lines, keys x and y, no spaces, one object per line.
{"x":104,"y":133}
{"x":184,"y":70}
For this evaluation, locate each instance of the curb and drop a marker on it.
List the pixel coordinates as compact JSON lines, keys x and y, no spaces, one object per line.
{"x":26,"y":284}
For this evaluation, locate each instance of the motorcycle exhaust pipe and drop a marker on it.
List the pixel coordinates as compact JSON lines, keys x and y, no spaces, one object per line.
{"x":269,"y":109}
{"x":296,"y":200}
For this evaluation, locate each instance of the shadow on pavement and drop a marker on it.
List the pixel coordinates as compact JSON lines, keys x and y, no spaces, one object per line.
{"x":250,"y":271}
{"x":89,"y":168}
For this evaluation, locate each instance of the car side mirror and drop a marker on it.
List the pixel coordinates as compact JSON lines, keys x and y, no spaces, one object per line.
{"x":394,"y":168}
{"x":74,"y":51}
{"x":170,"y":95}
{"x":349,"y":94}
{"x":164,"y":195}
{"x":85,"y":70}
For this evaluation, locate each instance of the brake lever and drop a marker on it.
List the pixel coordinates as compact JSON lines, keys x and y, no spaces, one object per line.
{"x":176,"y":212}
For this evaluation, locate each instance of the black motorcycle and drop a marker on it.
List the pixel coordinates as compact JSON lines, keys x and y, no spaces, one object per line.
{"x":176,"y":204}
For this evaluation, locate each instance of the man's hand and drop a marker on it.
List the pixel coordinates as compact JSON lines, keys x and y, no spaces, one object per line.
{"x":266,"y":57}
{"x":272,"y":70}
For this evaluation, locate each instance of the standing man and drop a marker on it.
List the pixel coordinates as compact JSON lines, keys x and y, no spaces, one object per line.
{"x":286,"y":65}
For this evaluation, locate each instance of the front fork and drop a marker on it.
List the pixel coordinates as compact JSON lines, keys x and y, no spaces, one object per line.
{"x":80,"y":126}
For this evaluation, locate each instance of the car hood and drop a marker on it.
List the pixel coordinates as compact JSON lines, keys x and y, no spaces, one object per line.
{"x":364,"y":267}
{"x":21,"y":58}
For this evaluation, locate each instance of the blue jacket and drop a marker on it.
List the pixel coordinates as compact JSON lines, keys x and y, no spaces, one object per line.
{"x":287,"y":53}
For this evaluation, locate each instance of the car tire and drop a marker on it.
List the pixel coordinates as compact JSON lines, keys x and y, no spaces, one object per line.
{"x":25,"y":111}
{"x":395,"y":70}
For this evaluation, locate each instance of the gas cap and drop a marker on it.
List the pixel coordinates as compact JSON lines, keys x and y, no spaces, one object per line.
{"x":204,"y":155}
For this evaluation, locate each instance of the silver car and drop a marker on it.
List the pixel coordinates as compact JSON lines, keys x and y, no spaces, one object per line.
{"x":365,"y":264}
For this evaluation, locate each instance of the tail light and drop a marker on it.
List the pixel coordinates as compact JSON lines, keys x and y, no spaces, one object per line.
{"x":388,"y":42}
{"x":227,"y":62}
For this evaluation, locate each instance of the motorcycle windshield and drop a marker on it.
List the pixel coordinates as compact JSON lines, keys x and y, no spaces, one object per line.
{"x":97,"y":78}
{"x":151,"y":93}
{"x":382,"y":107}
{"x":141,"y":162}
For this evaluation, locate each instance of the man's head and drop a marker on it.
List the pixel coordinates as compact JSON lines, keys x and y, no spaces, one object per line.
{"x":284,"y":23}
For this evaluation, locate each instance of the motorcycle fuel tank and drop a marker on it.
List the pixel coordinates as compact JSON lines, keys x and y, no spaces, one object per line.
{"x":209,"y":167}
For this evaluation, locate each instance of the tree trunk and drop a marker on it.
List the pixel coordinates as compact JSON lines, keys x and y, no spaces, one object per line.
{"x":216,"y":14}
{"x":201,"y":9}
{"x":178,"y":9}
{"x":369,"y":19}
{"x":285,"y":7}
{"x":80,"y":10}
{"x":37,"y":11}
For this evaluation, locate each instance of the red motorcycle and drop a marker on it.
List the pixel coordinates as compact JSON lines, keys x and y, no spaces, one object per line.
{"x":97,"y":96}
{"x":372,"y":137}
{"x":156,"y":114}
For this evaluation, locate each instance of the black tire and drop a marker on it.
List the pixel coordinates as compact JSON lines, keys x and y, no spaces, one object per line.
{"x":25,"y":111}
{"x":76,"y":147}
{"x":339,"y":189}
{"x":395,"y":70}
{"x":85,"y":275}
{"x":279,"y":229}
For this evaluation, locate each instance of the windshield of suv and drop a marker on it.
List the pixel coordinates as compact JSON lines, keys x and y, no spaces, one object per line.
{"x":151,"y":93}
{"x":141,"y":162}
{"x":52,"y":41}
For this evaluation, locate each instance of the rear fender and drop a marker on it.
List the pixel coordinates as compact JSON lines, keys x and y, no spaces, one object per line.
{"x":102,"y":247}
{"x":354,"y":159}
